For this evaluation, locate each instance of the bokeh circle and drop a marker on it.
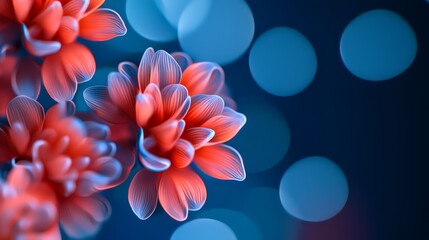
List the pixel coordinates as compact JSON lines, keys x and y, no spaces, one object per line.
{"x":243,"y":226}
{"x":314,"y":189}
{"x":282,"y":61}
{"x":216,"y":30}
{"x":148,"y":20}
{"x":203,"y":228}
{"x":378,"y":45}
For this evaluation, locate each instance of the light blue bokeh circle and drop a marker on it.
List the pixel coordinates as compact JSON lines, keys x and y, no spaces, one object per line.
{"x":203,"y":228}
{"x":146,"y":18}
{"x":378,"y":45}
{"x":242,"y":225}
{"x":216,"y":30}
{"x":283,"y":62}
{"x":314,"y":189}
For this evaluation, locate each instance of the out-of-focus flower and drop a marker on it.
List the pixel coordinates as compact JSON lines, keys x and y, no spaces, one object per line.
{"x":176,"y":120}
{"x":48,"y":29}
{"x":7,"y":68}
{"x":27,"y":209}
{"x":72,"y":157}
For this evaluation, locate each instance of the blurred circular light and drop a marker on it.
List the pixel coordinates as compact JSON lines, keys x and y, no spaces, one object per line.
{"x":242,"y":226}
{"x":314,"y":189}
{"x":282,"y":61}
{"x":203,"y":228}
{"x":378,"y":45}
{"x":148,"y":20}
{"x":216,"y":30}
{"x":264,"y":140}
{"x":173,"y":9}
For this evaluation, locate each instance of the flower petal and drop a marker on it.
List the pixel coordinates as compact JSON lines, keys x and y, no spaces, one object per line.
{"x":129,"y":70}
{"x":57,"y":83}
{"x":98,"y":99}
{"x":75,"y":8}
{"x":102,"y":25}
{"x":108,"y":170}
{"x":176,"y":101}
{"x":226,"y":126}
{"x":82,"y":216}
{"x":7,"y":10}
{"x":203,"y":78}
{"x":182,"y":154}
{"x":155,"y":93}
{"x":144,"y":109}
{"x":69,"y":30}
{"x":192,"y":186}
{"x":122,"y":93}
{"x":186,"y":190}
{"x":39,"y":48}
{"x":62,"y":71}
{"x":182,"y":59}
{"x":97,"y":130}
{"x":167,"y":134}
{"x":143,"y":193}
{"x":198,"y":136}
{"x":8,"y":66}
{"x":26,"y":111}
{"x":165,"y":70}
{"x":20,"y":177}
{"x":221,"y":162}
{"x":93,"y":5}
{"x":144,"y":70}
{"x":19,"y":137}
{"x":149,"y":160}
{"x":100,"y":175}
{"x":27,"y":80}
{"x":203,"y":107}
{"x":126,"y":155}
{"x":22,"y":9}
{"x":47,"y":22}
{"x":173,"y":201}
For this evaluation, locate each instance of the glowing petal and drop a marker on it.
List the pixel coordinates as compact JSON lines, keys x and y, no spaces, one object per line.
{"x":198,"y":136}
{"x":203,"y":78}
{"x":27,"y":80}
{"x":203,"y":107}
{"x":143,"y":193}
{"x":122,"y":93}
{"x":221,"y":162}
{"x":98,"y":99}
{"x":102,"y":25}
{"x":26,"y":111}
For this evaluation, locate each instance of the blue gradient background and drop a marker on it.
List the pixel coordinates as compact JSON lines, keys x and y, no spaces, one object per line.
{"x":376,"y":132}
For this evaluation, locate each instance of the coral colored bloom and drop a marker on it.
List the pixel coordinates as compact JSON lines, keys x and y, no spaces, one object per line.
{"x":27,"y":209}
{"x":7,"y":68}
{"x":177,"y":119}
{"x":48,"y":29}
{"x":70,"y":156}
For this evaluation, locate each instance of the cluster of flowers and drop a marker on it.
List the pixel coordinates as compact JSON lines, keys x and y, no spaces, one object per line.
{"x":168,"y":113}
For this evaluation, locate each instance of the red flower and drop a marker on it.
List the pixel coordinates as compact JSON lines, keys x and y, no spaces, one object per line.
{"x":7,"y":68}
{"x":48,"y":29}
{"x":68,"y":155}
{"x":180,"y":120}
{"x":27,"y":208}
